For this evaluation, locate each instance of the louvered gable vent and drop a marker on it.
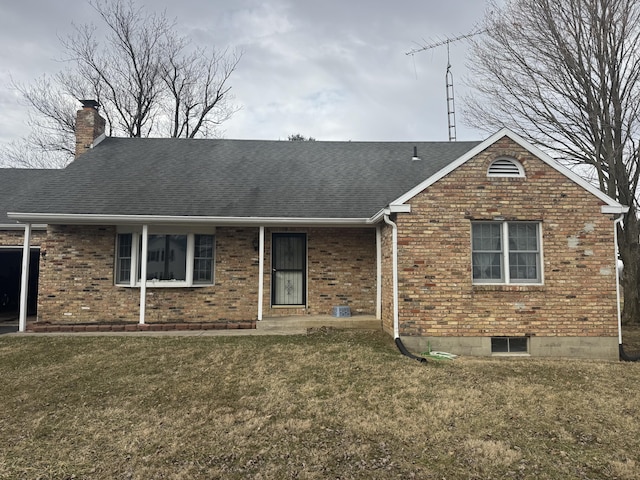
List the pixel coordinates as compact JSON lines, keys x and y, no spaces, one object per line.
{"x":505,"y":167}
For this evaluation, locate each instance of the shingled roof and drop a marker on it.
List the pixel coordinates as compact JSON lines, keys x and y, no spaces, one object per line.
{"x":14,"y":182}
{"x":238,"y":178}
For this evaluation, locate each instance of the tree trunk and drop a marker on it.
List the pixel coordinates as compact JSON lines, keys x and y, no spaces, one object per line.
{"x":630,"y":256}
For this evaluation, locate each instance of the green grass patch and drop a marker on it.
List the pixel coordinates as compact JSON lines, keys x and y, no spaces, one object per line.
{"x":325,"y":405}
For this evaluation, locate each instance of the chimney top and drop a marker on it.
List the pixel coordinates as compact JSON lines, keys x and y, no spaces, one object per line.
{"x":89,"y":126}
{"x":90,"y":104}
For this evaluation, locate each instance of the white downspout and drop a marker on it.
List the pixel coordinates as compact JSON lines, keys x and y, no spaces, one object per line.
{"x":24,"y":278}
{"x":261,"y":273}
{"x":394,"y":242}
{"x":378,"y":273}
{"x":616,"y":222}
{"x":143,"y":272}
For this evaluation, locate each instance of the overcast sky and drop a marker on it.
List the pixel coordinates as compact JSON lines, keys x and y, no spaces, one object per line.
{"x":331,"y":69}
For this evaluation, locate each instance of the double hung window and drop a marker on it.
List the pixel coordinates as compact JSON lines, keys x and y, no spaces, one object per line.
{"x":506,"y":252}
{"x":183,"y":259}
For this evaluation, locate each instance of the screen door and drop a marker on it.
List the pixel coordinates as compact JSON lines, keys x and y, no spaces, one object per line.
{"x":289,"y":265}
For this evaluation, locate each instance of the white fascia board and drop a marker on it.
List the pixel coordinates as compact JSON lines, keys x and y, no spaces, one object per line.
{"x":505,"y":132}
{"x":405,"y":208}
{"x":614,"y":209}
{"x":95,"y":219}
{"x":21,"y":226}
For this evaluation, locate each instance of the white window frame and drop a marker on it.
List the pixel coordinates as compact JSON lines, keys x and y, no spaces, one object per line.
{"x":506,"y":278}
{"x":136,"y":240}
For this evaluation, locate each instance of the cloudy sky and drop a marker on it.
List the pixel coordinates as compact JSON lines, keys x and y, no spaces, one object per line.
{"x":331,"y":69}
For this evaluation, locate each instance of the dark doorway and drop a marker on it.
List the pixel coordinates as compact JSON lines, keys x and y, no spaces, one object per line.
{"x":10,"y":268}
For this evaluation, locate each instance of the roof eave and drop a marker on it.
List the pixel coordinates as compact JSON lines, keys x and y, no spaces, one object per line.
{"x":614,"y":209}
{"x":389,"y":209}
{"x":97,"y":219}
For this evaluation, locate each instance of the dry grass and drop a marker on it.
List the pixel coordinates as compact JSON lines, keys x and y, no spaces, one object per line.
{"x":327,"y":405}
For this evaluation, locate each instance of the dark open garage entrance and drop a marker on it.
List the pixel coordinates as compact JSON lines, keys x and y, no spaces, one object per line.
{"x":10,"y":267}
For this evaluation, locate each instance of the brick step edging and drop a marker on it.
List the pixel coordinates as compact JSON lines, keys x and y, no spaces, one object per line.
{"x":148,"y":327}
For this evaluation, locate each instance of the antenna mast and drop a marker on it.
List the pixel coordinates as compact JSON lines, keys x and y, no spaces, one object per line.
{"x":451,"y":111}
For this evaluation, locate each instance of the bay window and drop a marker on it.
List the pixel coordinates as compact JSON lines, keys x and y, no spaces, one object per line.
{"x":173,"y":259}
{"x":506,"y":252}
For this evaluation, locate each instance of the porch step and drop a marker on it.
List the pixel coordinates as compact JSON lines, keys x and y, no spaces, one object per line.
{"x":303,"y":322}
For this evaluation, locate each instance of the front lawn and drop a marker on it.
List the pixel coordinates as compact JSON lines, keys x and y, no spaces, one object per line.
{"x":325,"y":405}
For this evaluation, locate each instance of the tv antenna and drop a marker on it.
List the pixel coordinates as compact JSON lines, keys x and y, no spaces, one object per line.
{"x":451,"y":110}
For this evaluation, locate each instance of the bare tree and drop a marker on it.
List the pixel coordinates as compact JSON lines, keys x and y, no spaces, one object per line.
{"x":298,"y":137}
{"x":149,"y":81}
{"x":566,"y":73}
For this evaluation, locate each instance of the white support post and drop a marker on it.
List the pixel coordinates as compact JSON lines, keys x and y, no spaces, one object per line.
{"x":24,"y":279}
{"x":261,"y":273}
{"x":143,"y":272}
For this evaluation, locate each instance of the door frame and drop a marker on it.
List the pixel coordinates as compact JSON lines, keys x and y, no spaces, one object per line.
{"x":274,"y":236}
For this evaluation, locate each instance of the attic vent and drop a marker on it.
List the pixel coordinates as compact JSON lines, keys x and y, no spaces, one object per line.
{"x":505,"y":167}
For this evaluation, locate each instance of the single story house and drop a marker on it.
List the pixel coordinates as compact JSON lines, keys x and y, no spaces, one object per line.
{"x":477,"y":248}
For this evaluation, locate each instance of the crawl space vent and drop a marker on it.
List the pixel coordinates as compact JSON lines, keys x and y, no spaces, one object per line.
{"x":341,"y":312}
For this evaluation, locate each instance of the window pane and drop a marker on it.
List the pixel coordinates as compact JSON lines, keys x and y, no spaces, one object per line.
{"x":499,"y":345}
{"x":167,"y":257}
{"x":123,"y":262}
{"x":487,"y":266}
{"x":518,"y":344}
{"x":203,"y":259}
{"x":486,"y":236}
{"x":523,"y":266}
{"x":523,"y":237}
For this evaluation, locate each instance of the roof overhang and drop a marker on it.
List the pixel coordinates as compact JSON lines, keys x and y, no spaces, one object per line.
{"x":405,"y":208}
{"x":95,"y":219}
{"x":21,"y":226}
{"x":614,"y":209}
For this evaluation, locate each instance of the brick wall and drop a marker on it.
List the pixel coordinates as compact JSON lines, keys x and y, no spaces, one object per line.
{"x":341,"y":268}
{"x":437,"y":297}
{"x":77,"y":285}
{"x":387,"y":278}
{"x":15,"y":238}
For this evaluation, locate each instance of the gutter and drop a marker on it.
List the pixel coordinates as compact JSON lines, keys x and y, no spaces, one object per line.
{"x":396,"y":321}
{"x":98,"y":219}
{"x":616,"y":222}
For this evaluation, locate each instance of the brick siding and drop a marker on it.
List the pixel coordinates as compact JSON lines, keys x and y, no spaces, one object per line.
{"x":437,"y":297}
{"x":77,"y":284}
{"x":341,"y":270}
{"x":15,"y":238}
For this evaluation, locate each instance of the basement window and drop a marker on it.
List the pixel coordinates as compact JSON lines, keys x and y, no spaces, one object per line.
{"x":515,"y":345}
{"x":176,"y":259}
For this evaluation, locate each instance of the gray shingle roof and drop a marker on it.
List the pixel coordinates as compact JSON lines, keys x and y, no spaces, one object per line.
{"x":15,"y":182}
{"x":238,"y":178}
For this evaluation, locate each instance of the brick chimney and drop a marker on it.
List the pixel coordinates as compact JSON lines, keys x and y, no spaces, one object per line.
{"x":89,"y":126}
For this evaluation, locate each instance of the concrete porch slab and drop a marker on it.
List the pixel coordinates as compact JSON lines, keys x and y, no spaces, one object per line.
{"x":300,"y":323}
